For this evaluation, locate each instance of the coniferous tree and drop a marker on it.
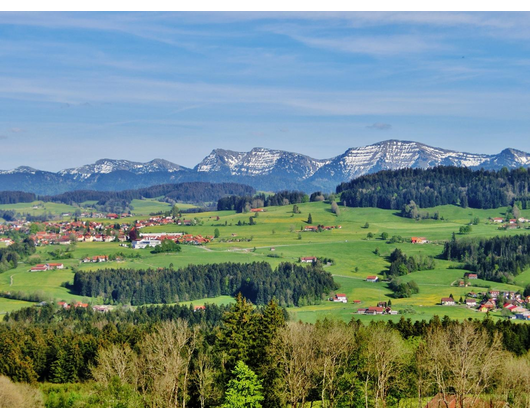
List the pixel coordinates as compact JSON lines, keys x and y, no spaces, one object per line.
{"x":244,"y":389}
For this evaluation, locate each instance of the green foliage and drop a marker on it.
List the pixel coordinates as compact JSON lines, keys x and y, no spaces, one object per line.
{"x":288,"y":283}
{"x":167,"y":245}
{"x":465,"y":229}
{"x":402,"y":289}
{"x":244,"y":390}
{"x":401,"y":265}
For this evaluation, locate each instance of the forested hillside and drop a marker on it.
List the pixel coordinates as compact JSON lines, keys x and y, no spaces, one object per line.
{"x":438,"y":186}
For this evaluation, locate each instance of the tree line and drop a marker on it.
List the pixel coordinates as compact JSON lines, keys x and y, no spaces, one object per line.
{"x":499,"y":259}
{"x":195,"y":192}
{"x":244,"y":204}
{"x":255,"y":356}
{"x":290,"y":284}
{"x":395,"y":189}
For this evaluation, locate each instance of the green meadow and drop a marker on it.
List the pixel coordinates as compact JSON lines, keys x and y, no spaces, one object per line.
{"x":277,"y":236}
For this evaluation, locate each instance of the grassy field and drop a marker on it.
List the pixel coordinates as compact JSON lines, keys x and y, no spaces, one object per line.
{"x":38,"y":208}
{"x":278,"y":236}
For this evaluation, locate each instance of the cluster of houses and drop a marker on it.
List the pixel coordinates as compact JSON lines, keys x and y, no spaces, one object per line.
{"x":381,"y":309}
{"x":509,"y":223}
{"x":320,"y":228}
{"x":96,"y":308}
{"x":485,"y":302}
{"x":6,"y":241}
{"x":150,"y":240}
{"x":65,"y":233}
{"x":95,"y":259}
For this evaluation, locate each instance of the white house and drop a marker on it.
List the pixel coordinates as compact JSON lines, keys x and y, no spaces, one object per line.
{"x":471,"y":302}
{"x":340,"y":297}
{"x":448,"y":301}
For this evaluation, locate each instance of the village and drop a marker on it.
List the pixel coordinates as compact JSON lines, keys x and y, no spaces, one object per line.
{"x":72,"y":232}
{"x":511,"y":304}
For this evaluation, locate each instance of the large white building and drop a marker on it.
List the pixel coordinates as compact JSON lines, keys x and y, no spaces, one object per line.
{"x":144,"y":243}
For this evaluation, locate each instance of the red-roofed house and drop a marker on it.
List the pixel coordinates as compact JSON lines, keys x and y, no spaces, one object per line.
{"x":375,"y":310}
{"x":418,"y":240}
{"x":55,"y":266}
{"x":308,"y":259}
{"x":448,"y":301}
{"x":340,"y":297}
{"x":372,"y":279}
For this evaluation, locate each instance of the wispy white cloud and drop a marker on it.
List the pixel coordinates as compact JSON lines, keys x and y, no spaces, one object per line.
{"x":379,"y":126}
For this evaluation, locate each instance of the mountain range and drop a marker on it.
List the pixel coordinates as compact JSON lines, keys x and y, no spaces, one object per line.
{"x":263,"y":169}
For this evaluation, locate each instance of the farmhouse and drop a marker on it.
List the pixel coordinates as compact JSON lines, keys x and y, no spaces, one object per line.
{"x":375,"y":310}
{"x":418,"y":240}
{"x":372,"y":279}
{"x":311,"y":229}
{"x":308,"y":259}
{"x":514,"y":308}
{"x":471,"y":276}
{"x":471,"y":302}
{"x":448,"y":301}
{"x":256,"y":210}
{"x":55,"y":266}
{"x":39,"y":267}
{"x":498,"y":220}
{"x":340,"y":297}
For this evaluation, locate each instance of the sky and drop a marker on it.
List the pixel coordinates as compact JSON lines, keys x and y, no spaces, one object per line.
{"x":76,"y":87}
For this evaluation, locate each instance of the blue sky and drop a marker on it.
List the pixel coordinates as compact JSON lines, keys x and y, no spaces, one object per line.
{"x":77,"y":87}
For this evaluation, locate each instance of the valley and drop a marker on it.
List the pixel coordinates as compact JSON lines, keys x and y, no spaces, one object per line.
{"x":278,"y":236}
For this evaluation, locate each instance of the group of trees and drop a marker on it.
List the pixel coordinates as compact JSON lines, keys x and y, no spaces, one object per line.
{"x":395,"y":189}
{"x":401,"y":265}
{"x":167,"y":245}
{"x":251,"y":357}
{"x":499,"y":259}
{"x":402,"y":289}
{"x":412,"y":211}
{"x":243,"y":204}
{"x":10,"y":256}
{"x":290,"y":284}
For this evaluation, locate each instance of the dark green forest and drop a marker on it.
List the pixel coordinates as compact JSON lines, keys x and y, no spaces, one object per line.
{"x":499,"y":259}
{"x":243,"y":204}
{"x":438,"y":186}
{"x":289,"y":284}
